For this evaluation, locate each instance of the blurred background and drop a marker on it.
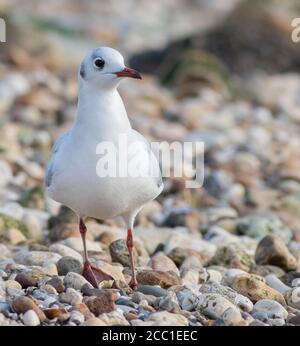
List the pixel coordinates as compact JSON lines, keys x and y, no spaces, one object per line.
{"x":223,"y":72}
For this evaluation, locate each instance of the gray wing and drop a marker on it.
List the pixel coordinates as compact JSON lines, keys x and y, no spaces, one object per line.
{"x":55,"y":149}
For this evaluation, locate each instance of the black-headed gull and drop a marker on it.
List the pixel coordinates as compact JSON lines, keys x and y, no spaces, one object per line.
{"x":72,"y":177}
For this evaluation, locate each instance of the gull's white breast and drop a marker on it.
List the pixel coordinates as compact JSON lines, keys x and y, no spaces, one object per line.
{"x":72,"y":179}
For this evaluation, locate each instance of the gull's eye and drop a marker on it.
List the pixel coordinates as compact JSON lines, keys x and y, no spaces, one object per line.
{"x":99,"y":63}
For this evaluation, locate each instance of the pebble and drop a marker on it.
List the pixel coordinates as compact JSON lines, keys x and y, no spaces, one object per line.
{"x":296,"y":282}
{"x":191,"y":262}
{"x":163,"y":263}
{"x":71,"y":296}
{"x":187,"y":299}
{"x":128,"y":302}
{"x":30,"y":318}
{"x":75,"y":281}
{"x":255,"y":289}
{"x":29,"y":279}
{"x":138,"y":297}
{"x":214,"y":276}
{"x":23,"y":304}
{"x":295,"y":320}
{"x":192,"y":276}
{"x":230,"y":275}
{"x":12,"y":284}
{"x":37,"y":258}
{"x":164,"y":318}
{"x":68,"y":264}
{"x":179,"y":254}
{"x":119,"y":252}
{"x":65,"y":251}
{"x":271,"y":308}
{"x":215,"y":306}
{"x":113,"y":318}
{"x":60,"y":312}
{"x":206,"y":248}
{"x":75,"y":243}
{"x":14,"y":292}
{"x":155,"y":291}
{"x":288,"y":278}
{"x":58,"y":283}
{"x":4,"y":306}
{"x":168,"y":303}
{"x":264,"y":270}
{"x":272,"y":250}
{"x":155,"y":277}
{"x":232,"y":256}
{"x":239,"y":300}
{"x":103,"y":303}
{"x":273,"y":281}
{"x":76,"y":317}
{"x":293,"y":297}
{"x":232,"y":317}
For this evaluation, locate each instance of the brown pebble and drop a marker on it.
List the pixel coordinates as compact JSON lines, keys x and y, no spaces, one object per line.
{"x":256,"y":289}
{"x":156,"y":277}
{"x":28,"y":279}
{"x":81,"y":308}
{"x":178,"y":255}
{"x":23,"y":304}
{"x":272,"y":250}
{"x":101,"y":304}
{"x":57,"y":283}
{"x":130,"y":316}
{"x":60,"y":313}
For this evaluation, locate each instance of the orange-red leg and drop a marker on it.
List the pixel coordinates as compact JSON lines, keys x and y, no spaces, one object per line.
{"x":92,"y":274}
{"x":133,"y":282}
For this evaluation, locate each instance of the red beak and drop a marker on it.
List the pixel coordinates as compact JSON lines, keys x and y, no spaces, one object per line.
{"x":129,"y":72}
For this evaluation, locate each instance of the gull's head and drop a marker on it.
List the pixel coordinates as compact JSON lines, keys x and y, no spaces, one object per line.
{"x":104,"y":67}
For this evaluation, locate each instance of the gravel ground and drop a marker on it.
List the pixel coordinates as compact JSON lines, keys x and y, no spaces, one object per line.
{"x":225,"y":254}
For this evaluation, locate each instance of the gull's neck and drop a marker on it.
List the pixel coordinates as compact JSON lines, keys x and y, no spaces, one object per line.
{"x":100,"y":112}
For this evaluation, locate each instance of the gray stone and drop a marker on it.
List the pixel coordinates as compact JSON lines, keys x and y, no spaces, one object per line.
{"x":216,"y":306}
{"x":64,"y":250}
{"x":271,"y":308}
{"x":37,"y":258}
{"x":273,"y":281}
{"x":237,"y":299}
{"x":68,"y":264}
{"x":71,"y":296}
{"x":75,"y":281}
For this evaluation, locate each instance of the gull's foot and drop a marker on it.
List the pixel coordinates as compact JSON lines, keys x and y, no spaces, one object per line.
{"x":133,"y":284}
{"x":94,"y":275}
